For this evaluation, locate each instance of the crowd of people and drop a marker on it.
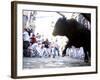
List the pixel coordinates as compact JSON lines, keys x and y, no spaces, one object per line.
{"x":37,"y":46}
{"x":34,"y":45}
{"x":75,"y":52}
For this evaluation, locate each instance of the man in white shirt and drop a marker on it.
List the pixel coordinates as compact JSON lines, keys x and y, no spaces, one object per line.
{"x":26,"y":36}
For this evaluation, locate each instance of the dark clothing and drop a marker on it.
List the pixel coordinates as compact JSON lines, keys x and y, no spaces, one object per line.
{"x":26,"y":44}
{"x":46,"y":44}
{"x":25,"y":48}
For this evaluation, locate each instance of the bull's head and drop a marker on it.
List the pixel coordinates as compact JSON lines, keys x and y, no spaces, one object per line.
{"x":60,"y":27}
{"x":64,"y":27}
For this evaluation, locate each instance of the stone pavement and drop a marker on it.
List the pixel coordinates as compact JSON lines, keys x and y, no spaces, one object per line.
{"x":57,"y":62}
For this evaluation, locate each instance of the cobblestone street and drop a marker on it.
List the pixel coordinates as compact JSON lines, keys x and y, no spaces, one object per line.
{"x":58,"y":62}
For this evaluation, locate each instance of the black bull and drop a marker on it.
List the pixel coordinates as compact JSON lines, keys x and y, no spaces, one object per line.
{"x":77,"y":33}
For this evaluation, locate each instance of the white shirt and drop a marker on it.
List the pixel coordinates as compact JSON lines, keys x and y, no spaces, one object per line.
{"x":26,"y":36}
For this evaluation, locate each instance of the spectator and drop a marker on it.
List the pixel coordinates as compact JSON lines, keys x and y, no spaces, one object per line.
{"x":46,"y":43}
{"x":33,"y":39}
{"x":26,"y":40}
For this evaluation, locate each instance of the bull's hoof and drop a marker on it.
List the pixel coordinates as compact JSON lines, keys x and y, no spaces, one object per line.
{"x":86,"y":61}
{"x":63,"y":55}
